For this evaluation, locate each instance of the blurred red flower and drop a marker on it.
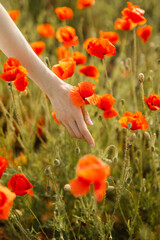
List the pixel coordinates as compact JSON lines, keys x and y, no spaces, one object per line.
{"x":64,"y":13}
{"x":106,"y":103}
{"x":137,"y":120}
{"x":135,"y":13}
{"x":46,"y":30}
{"x":90,"y":71}
{"x":124,"y":23}
{"x":20,"y":185}
{"x":84,"y":94}
{"x":38,"y":47}
{"x":65,"y":68}
{"x":101,"y":47}
{"x":86,"y":42}
{"x":13,"y":71}
{"x":144,"y":33}
{"x":63,"y":52}
{"x":90,"y":170}
{"x":3,"y":165}
{"x":67,"y":36}
{"x":6,"y":201}
{"x":14,"y":14}
{"x":81,"y":4}
{"x":153,"y":102}
{"x":79,"y":58}
{"x":113,"y":37}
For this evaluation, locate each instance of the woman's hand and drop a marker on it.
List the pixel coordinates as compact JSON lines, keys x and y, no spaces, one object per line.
{"x":73,"y":118}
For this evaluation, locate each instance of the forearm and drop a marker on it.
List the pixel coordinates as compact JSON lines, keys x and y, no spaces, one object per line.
{"x":13,"y":44}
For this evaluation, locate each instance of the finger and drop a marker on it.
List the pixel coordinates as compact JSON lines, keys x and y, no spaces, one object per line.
{"x":76,"y":130}
{"x":69,"y":130}
{"x":83,"y":130}
{"x":86,"y":116}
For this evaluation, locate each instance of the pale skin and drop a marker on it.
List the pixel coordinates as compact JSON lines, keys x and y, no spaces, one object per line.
{"x":13,"y":44}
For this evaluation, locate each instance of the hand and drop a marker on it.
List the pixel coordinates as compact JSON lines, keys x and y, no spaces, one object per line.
{"x":73,"y":118}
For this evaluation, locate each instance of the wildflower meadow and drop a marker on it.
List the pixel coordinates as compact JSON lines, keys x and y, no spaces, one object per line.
{"x":54,"y":186}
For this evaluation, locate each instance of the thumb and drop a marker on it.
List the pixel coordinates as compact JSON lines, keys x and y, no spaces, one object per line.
{"x":86,"y":116}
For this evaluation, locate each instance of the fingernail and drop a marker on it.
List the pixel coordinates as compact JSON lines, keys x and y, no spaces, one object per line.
{"x":92,"y":145}
{"x":89,"y":122}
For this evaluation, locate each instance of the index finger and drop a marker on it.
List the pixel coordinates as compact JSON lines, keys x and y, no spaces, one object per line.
{"x":84,"y":130}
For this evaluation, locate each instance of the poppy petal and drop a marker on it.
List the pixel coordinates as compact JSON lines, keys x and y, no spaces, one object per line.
{"x":76,"y":97}
{"x":79,"y":187}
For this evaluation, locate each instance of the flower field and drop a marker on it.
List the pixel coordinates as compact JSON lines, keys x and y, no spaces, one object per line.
{"x":54,"y":186}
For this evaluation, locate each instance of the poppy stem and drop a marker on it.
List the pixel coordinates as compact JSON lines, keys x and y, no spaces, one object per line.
{"x":107,"y":78}
{"x":17,"y":113}
{"x":135,"y":53}
{"x":27,"y":204}
{"x":142,"y":95}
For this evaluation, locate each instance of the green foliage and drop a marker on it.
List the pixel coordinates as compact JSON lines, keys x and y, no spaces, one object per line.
{"x":130,"y":209}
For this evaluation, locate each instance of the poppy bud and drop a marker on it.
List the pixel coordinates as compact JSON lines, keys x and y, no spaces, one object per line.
{"x":47,"y":170}
{"x":67,"y":187}
{"x":147,"y":135}
{"x":56,"y":162}
{"x":115,"y":160}
{"x":122,"y":101}
{"x":141,"y":77}
{"x":133,"y":137}
{"x":77,"y":150}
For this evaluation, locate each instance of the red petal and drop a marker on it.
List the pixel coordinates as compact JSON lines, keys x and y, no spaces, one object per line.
{"x":100,"y":189}
{"x":76,"y":97}
{"x":79,"y":187}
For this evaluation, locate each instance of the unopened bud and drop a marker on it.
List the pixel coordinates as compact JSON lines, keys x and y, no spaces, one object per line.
{"x":56,"y":162}
{"x":133,"y":137}
{"x":141,"y":77}
{"x":47,"y":170}
{"x":147,"y":135}
{"x":115,"y":160}
{"x":122,"y":101}
{"x":67,"y":188}
{"x":77,"y":150}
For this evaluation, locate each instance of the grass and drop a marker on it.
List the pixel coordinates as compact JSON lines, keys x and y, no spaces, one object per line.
{"x":130,"y":209}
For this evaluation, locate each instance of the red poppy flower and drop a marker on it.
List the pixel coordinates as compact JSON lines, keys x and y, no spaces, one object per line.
{"x":21,"y":83}
{"x":63,"y":52}
{"x":46,"y":30}
{"x":67,"y":36}
{"x":113,"y":37}
{"x":64,"y":13}
{"x":20,"y":185}
{"x":65,"y":68}
{"x":10,"y":64}
{"x":106,"y":103}
{"x":90,"y":71}
{"x":81,"y":4}
{"x":90,"y":170}
{"x":79,"y":58}
{"x":6,"y":201}
{"x":55,"y":118}
{"x":137,"y":121}
{"x":86,"y":42}
{"x":12,"y":69}
{"x":153,"y":102}
{"x":144,"y":33}
{"x":14,"y":14}
{"x":84,"y":94}
{"x":3,"y":165}
{"x":38,"y":47}
{"x":135,"y":13}
{"x":101,"y":47}
{"x":124,"y":23}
